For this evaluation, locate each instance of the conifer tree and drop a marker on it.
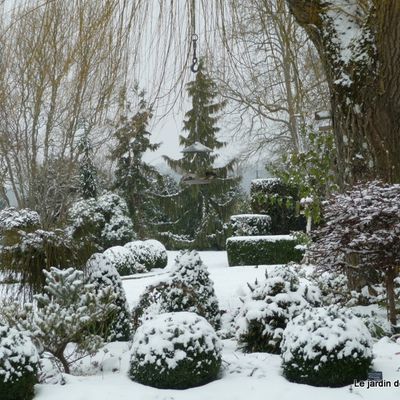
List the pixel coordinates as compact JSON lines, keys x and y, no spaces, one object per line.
{"x":199,"y":211}
{"x":134,"y":178}
{"x":87,"y":170}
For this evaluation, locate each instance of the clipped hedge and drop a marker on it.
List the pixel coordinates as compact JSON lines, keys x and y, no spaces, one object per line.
{"x":147,"y":255}
{"x":250,"y":224}
{"x":280,"y":201}
{"x":262,"y":250}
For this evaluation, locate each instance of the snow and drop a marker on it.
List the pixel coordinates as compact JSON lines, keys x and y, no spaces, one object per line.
{"x":255,"y":376}
{"x":266,"y":238}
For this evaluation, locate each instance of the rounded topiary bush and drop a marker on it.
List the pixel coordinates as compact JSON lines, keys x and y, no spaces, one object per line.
{"x":250,"y":224}
{"x":164,"y":297}
{"x":159,"y":253}
{"x":148,"y":254}
{"x":269,"y":306}
{"x":326,"y":347}
{"x":18,"y":365}
{"x":103,"y":275}
{"x":175,"y":351}
{"x":123,"y":260}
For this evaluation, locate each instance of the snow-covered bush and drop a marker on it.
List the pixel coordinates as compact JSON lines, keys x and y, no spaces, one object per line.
{"x":103,"y":276}
{"x":277,"y":199}
{"x":268,"y":308}
{"x":262,"y":250}
{"x":164,"y":297}
{"x":69,"y":311}
{"x":123,"y":260}
{"x":18,"y":365}
{"x":326,"y":347}
{"x":175,"y":351}
{"x":101,"y":223}
{"x":361,"y":237}
{"x":12,"y":221}
{"x":250,"y":224}
{"x":147,"y":254}
{"x":35,"y":252}
{"x":190,"y":270}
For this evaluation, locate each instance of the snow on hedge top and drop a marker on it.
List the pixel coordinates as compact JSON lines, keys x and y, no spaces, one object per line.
{"x":18,"y":355}
{"x":266,"y":238}
{"x":171,"y":336}
{"x":11,"y":218}
{"x":264,"y":183}
{"x":321,"y":330}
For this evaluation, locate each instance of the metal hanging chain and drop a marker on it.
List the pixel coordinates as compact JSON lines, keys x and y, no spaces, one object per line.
{"x":194,"y":67}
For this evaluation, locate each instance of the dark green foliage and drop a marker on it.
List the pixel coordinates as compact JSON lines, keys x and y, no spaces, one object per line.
{"x":87,"y":171}
{"x":35,"y":252}
{"x":198,"y":213}
{"x":183,"y":333}
{"x":247,"y":250}
{"x":164,"y":297}
{"x":134,"y":178}
{"x":335,"y":373}
{"x":250,"y":224}
{"x":18,"y":365}
{"x":326,"y":347}
{"x":280,"y":201}
{"x":148,"y":254}
{"x":103,"y":275}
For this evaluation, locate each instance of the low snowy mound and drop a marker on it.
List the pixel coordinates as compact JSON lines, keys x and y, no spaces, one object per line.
{"x":123,"y":260}
{"x":164,"y":297}
{"x":103,"y":275}
{"x":18,"y":365}
{"x":148,"y":254}
{"x":175,"y":351}
{"x":326,"y":347}
{"x":268,"y":308}
{"x":190,"y":270}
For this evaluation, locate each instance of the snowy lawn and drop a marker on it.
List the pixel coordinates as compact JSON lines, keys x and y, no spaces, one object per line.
{"x":244,"y":376}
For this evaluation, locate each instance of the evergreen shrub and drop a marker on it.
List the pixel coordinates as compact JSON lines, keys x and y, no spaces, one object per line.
{"x":279,"y":200}
{"x":326,"y":347}
{"x":18,"y":365}
{"x":251,"y":224}
{"x":175,"y":351}
{"x":262,"y":250}
{"x":269,"y":306}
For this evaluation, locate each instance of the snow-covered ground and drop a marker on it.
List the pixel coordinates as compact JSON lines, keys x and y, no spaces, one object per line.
{"x":244,"y":376}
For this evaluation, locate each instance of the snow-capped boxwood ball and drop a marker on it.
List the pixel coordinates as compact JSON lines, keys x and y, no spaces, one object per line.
{"x":19,"y":362}
{"x":251,"y":224}
{"x":326,"y":347}
{"x":268,"y":308}
{"x":147,"y":255}
{"x":175,"y":351}
{"x":124,"y":260}
{"x":103,"y":275}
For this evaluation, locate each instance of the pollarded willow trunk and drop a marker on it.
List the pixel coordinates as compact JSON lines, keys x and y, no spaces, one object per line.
{"x":358,"y":41}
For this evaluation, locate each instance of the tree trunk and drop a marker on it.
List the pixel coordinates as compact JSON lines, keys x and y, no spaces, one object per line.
{"x":361,"y":56}
{"x":391,"y":296}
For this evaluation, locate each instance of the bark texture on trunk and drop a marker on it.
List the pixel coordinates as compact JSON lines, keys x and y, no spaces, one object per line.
{"x":364,"y":78}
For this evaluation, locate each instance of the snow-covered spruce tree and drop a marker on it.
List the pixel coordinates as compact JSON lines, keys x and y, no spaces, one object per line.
{"x":175,"y":351}
{"x":269,"y":306}
{"x":103,"y":276}
{"x":199,"y":212}
{"x":326,"y":347}
{"x":134,"y":178}
{"x":87,"y":171}
{"x":362,"y":235}
{"x":357,"y":41}
{"x":68,"y":311}
{"x":19,"y":363}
